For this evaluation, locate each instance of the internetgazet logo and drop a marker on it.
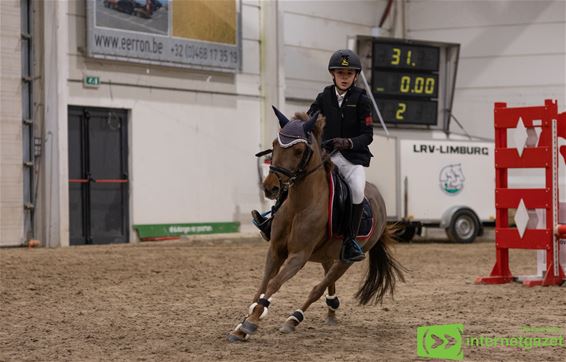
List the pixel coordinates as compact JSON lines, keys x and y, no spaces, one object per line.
{"x":447,"y":341}
{"x":440,"y":341}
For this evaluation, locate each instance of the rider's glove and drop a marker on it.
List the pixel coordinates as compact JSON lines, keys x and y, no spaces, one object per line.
{"x":342,"y":143}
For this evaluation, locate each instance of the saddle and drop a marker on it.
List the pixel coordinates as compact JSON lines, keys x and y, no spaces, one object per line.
{"x":340,"y":209}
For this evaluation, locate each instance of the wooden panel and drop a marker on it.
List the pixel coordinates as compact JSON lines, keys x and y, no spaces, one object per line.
{"x":533,"y":198}
{"x":10,"y":16}
{"x":11,"y":149}
{"x":11,"y":235}
{"x":531,"y":158}
{"x":12,"y":193}
{"x":532,"y":239}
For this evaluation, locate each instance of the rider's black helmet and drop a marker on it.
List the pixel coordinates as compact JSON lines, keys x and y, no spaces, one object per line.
{"x":345,"y":59}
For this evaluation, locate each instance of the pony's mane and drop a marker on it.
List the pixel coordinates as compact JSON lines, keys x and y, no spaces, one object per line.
{"x":317,"y":133}
{"x":301,"y":116}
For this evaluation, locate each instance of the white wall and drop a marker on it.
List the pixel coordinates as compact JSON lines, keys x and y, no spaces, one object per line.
{"x":193,"y":133}
{"x":511,"y":51}
{"x":313,"y":30}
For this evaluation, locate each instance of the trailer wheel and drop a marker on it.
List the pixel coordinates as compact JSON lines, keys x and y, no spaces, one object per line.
{"x":406,"y":233}
{"x":464,"y":226}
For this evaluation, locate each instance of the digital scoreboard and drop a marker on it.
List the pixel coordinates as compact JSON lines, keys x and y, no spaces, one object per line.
{"x":409,"y":80}
{"x":405,"y":82}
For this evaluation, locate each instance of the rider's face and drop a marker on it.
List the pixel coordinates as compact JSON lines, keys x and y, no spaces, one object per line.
{"x":344,"y":78}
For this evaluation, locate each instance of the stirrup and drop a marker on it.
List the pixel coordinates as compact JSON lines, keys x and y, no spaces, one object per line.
{"x":355,"y":251}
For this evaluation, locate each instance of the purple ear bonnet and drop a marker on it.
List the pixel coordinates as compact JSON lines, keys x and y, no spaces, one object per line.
{"x":292,"y":133}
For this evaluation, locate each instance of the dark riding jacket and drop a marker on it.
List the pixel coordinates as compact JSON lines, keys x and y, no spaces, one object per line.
{"x":352,"y":120}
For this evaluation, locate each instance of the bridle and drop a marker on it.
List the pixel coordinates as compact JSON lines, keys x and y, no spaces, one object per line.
{"x":300,"y":173}
{"x":301,"y":134}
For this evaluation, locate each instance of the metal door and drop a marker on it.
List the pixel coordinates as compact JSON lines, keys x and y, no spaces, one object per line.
{"x":98,"y":177}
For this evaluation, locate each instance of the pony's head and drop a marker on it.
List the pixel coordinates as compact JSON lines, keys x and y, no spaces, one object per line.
{"x":296,"y":145}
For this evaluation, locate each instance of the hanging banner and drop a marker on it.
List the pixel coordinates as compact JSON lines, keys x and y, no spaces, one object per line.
{"x":187,"y":33}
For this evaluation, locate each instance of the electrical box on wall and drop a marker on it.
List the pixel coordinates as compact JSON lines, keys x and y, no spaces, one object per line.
{"x":412,"y":81}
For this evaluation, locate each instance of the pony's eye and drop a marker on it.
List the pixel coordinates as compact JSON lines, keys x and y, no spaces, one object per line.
{"x":298,"y":152}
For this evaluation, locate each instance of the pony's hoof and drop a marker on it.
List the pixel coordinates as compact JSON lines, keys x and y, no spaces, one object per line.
{"x":287,"y":327}
{"x":236,"y":337}
{"x":331,"y":321}
{"x":248,"y":327}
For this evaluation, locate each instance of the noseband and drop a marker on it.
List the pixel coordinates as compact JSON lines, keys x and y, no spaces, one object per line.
{"x":299,"y":173}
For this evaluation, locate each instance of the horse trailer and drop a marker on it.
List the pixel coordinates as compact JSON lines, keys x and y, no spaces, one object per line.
{"x":429,"y":181}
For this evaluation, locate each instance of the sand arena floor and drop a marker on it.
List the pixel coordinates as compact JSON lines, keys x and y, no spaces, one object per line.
{"x":174,"y":301}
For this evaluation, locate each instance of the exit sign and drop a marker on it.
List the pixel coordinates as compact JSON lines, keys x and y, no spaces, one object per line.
{"x":91,"y":82}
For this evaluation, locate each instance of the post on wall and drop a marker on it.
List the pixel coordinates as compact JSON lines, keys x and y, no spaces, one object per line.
{"x":55,"y":225}
{"x":272,"y":69}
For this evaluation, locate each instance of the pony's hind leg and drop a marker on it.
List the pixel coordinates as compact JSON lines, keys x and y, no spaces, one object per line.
{"x":332,"y":301}
{"x":337,"y":269}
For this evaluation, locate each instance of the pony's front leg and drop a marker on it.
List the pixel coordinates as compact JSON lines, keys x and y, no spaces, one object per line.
{"x":273,"y":262}
{"x":334,"y":273}
{"x":332,"y":301}
{"x":290,"y":267}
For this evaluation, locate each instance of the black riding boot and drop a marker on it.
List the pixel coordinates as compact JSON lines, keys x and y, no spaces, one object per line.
{"x":351,"y":250}
{"x":263,"y":224}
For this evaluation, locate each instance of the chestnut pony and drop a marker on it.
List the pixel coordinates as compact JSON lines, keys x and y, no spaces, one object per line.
{"x":300,"y":234}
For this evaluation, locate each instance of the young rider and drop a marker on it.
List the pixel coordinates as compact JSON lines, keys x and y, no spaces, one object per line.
{"x":348,"y":128}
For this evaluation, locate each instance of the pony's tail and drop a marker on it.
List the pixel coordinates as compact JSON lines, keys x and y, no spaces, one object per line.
{"x":383,"y":270}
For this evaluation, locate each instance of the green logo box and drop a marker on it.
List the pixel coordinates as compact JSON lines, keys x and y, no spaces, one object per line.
{"x":440,"y":341}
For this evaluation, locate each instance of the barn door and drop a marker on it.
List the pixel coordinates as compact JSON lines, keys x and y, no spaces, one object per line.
{"x":98,"y":178}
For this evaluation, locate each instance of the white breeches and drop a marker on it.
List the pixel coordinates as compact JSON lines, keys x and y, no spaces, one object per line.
{"x":354,"y":175}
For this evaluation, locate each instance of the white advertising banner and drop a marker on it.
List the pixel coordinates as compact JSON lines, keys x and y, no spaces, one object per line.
{"x":197,"y":33}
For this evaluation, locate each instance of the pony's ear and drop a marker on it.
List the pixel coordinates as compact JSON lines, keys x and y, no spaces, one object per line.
{"x":319,"y":127}
{"x":302,"y":116}
{"x":310,"y":124}
{"x":281,"y":117}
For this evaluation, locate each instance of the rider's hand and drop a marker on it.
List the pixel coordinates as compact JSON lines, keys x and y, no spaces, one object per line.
{"x":342,"y":143}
